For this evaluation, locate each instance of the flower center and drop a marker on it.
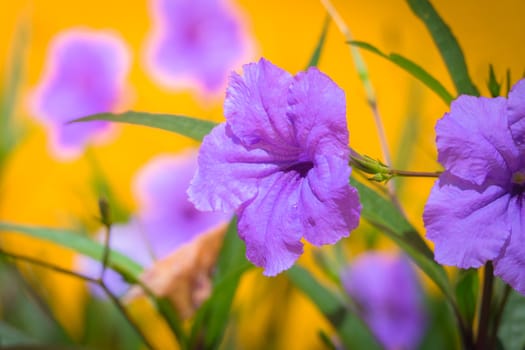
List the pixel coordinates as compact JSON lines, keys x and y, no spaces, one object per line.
{"x":302,"y":168}
{"x":518,"y":182}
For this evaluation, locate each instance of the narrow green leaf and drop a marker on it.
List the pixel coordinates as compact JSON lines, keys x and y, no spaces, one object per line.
{"x":10,"y":91}
{"x":447,"y":44}
{"x":441,"y":328}
{"x":126,"y":267}
{"x":383,"y":214}
{"x":492,"y":84}
{"x":212,"y":318}
{"x":412,"y":68}
{"x":316,"y":55}
{"x":83,"y":245}
{"x":511,"y":332}
{"x":349,"y":327}
{"x":467,"y":287}
{"x":191,"y":127}
{"x":509,"y":82}
{"x":10,"y":336}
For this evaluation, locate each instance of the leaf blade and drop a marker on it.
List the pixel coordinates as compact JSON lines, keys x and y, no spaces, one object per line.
{"x":316,"y":55}
{"x":71,"y":240}
{"x":9,"y":131}
{"x":447,"y":44}
{"x":352,"y":331}
{"x":193,"y":128}
{"x":410,"y":67}
{"x":211,"y":319}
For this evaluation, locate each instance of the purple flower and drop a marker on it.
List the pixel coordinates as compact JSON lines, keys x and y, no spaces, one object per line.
{"x":281,"y":162}
{"x":84,"y":74}
{"x":475,"y":211}
{"x":389,"y":298}
{"x":195,"y":42}
{"x":167,"y":216}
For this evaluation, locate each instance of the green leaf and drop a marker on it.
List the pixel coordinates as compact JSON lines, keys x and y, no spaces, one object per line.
{"x":508,"y":81}
{"x":9,"y":134}
{"x":381,"y":213}
{"x":83,"y":245}
{"x":316,"y":55}
{"x":511,"y":332}
{"x":467,"y":287}
{"x":492,"y":84}
{"x":127,"y":268}
{"x":10,"y":336}
{"x":212,"y":318}
{"x":411,"y":67}
{"x":353,"y":332}
{"x":187,"y":126}
{"x":441,"y":327}
{"x":447,"y":44}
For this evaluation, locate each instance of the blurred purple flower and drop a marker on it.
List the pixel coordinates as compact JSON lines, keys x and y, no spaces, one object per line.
{"x":165,"y":219}
{"x":389,"y":298}
{"x":475,"y":211}
{"x":84,"y":74}
{"x":280,"y":161}
{"x":165,"y":212}
{"x":195,"y":42}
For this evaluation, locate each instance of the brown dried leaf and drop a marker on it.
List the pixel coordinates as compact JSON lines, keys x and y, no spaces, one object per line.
{"x":184,"y":277}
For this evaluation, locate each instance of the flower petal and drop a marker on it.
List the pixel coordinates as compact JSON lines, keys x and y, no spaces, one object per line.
{"x":318,"y":114}
{"x":467,"y":224}
{"x":471,"y":142}
{"x":168,"y":218}
{"x":516,"y":112}
{"x":228,"y":174}
{"x":329,"y":205}
{"x":270,"y":225}
{"x":510,"y":264}
{"x":256,"y":104}
{"x":84,"y":75}
{"x":397,"y":318}
{"x":195,"y":41}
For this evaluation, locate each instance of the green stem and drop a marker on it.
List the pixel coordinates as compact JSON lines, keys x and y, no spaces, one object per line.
{"x":483,"y":339}
{"x":125,"y":313}
{"x":47,"y":266}
{"x":499,"y":315}
{"x":106,"y":221}
{"x":362,"y":71}
{"x":408,"y":173}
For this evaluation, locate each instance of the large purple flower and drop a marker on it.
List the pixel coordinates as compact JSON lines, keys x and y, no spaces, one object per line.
{"x":281,"y":161}
{"x":85,"y":74}
{"x":195,"y":42}
{"x":389,"y":297}
{"x":475,"y":212}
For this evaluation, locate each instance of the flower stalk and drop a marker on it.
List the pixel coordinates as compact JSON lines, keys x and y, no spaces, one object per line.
{"x":381,"y":172}
{"x":483,"y":339}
